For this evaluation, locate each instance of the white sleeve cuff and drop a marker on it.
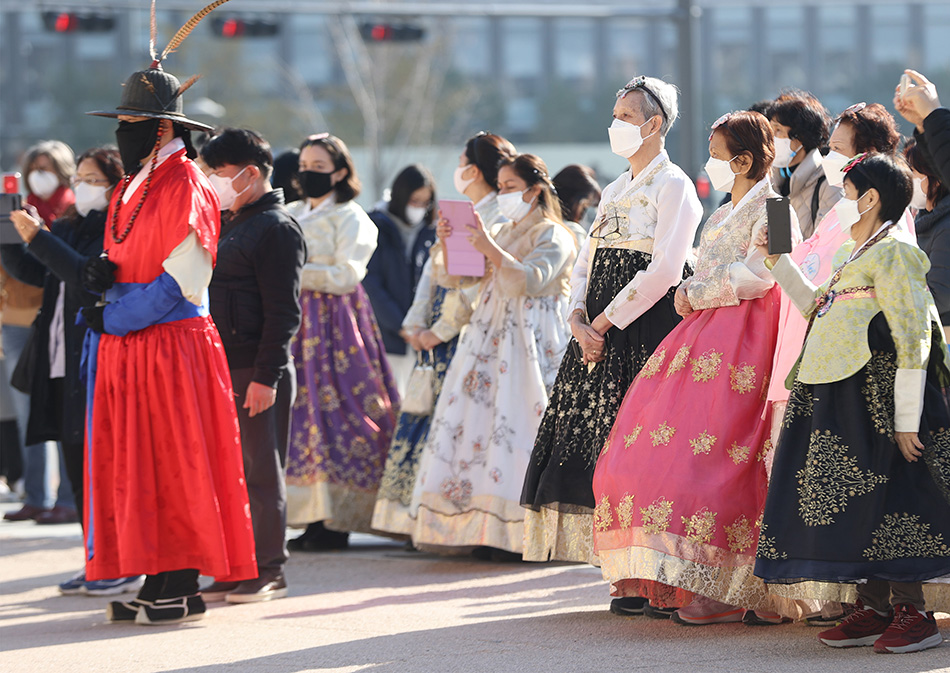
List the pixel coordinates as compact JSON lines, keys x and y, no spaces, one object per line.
{"x":909,"y":399}
{"x":190,"y":265}
{"x":794,"y":284}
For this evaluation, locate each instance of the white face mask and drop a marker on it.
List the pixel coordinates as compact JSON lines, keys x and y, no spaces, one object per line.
{"x":784,"y":154}
{"x":43,"y":183}
{"x":90,"y":197}
{"x":460,"y":183}
{"x":832,"y":165}
{"x":626,"y":138}
{"x":224,"y":187}
{"x":848,"y":213}
{"x":720,"y":174}
{"x":919,"y":200}
{"x":513,"y":206}
{"x":415,"y":214}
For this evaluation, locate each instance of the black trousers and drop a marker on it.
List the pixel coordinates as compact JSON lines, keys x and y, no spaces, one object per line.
{"x":73,"y":452}
{"x":264,"y":440}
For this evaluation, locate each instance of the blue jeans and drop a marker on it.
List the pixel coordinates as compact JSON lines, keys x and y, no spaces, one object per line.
{"x":36,"y":475}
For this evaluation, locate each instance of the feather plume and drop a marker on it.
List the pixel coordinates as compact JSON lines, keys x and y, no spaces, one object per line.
{"x":149,"y":85}
{"x":187,"y":85}
{"x":189,"y":26}
{"x":153,"y":33}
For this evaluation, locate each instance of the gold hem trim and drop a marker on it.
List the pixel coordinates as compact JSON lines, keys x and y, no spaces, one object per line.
{"x":552,"y":535}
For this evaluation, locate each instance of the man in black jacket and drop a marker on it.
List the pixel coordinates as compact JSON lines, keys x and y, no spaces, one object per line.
{"x":255,"y":302}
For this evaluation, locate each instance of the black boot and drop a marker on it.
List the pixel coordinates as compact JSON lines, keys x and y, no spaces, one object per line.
{"x":126,"y":611}
{"x":178,"y":600}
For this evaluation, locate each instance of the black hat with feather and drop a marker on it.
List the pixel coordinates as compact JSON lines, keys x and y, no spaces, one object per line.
{"x":155,"y":93}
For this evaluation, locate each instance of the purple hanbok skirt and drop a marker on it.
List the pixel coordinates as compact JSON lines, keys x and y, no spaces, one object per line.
{"x":344,"y":415}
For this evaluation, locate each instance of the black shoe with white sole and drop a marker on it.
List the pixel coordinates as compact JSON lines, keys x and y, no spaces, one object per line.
{"x":124,"y":611}
{"x":172,"y":610}
{"x":628,"y":606}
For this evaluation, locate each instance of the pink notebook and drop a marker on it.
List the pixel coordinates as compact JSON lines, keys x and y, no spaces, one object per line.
{"x":461,"y":259}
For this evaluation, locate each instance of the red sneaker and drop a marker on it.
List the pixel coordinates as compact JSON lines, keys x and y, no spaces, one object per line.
{"x":910,"y":631}
{"x":862,"y":627}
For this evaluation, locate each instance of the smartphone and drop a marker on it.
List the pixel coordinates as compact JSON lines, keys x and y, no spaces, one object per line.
{"x":779,"y":215}
{"x":460,"y":257}
{"x":905,"y":84}
{"x":8,"y":232}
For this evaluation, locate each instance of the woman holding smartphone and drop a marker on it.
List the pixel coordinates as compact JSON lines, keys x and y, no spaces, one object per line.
{"x":431,"y":327}
{"x":496,"y":388}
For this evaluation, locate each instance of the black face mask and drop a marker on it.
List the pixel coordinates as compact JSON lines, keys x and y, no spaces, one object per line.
{"x":315,"y":184}
{"x":135,"y":141}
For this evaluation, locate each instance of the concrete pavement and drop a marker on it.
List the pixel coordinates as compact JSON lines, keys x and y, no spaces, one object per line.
{"x":379,"y":608}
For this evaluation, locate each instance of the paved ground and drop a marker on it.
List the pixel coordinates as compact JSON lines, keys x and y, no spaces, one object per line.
{"x":379,"y":608}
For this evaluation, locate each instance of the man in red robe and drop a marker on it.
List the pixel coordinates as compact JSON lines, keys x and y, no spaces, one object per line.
{"x":167,"y":496}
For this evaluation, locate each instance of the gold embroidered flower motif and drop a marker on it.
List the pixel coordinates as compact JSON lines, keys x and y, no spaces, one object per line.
{"x":663,"y":434}
{"x":830,"y":479}
{"x":656,"y":517}
{"x":632,"y":437}
{"x":653,"y":364}
{"x":625,"y":511}
{"x":679,"y":360}
{"x":742,"y":378}
{"x":602,"y":516}
{"x":764,"y":451}
{"x":903,"y":536}
{"x":767,"y":548}
{"x":706,"y":366}
{"x":631,"y":294}
{"x":703,"y":443}
{"x":739,"y":534}
{"x":700,"y":527}
{"x":739,"y":454}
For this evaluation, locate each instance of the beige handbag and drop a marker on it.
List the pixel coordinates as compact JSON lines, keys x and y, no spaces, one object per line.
{"x":420,"y":392}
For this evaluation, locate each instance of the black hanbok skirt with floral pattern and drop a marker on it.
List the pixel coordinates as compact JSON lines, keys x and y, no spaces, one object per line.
{"x":844,"y":504}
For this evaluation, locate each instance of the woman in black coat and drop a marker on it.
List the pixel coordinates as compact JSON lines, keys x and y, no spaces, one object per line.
{"x":53,"y":259}
{"x":405,"y":234}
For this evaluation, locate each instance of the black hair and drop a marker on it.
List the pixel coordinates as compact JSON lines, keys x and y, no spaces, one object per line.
{"x":285,"y":170}
{"x":936,"y":190}
{"x":349,"y":187}
{"x":238,"y":147}
{"x":577,"y":188}
{"x":532,"y":169}
{"x":486,"y":151}
{"x":411,"y":178}
{"x":890,"y":177}
{"x":808,"y":121}
{"x":761,"y":106}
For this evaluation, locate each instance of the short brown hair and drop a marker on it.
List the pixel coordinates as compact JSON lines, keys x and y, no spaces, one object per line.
{"x":349,"y":187}
{"x":874,"y":128}
{"x":751,"y":133}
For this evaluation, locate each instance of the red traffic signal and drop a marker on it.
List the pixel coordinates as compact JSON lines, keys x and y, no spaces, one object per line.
{"x":230,"y":26}
{"x":388,"y":32}
{"x":73,"y":22}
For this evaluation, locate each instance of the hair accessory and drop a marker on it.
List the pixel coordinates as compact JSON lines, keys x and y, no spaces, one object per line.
{"x":719,"y":122}
{"x":640,"y":82}
{"x":857,"y":107}
{"x":854,"y":161}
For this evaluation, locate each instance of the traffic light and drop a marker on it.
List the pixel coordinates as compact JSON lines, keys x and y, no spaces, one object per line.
{"x":391,"y":32}
{"x":75,"y":22}
{"x":232,"y":26}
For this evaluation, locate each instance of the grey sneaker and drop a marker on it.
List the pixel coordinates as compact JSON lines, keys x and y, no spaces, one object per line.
{"x":218,"y":591}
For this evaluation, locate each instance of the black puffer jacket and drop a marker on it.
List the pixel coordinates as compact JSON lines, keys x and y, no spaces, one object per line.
{"x":54,"y":256}
{"x":933,"y":237}
{"x":935,"y":142}
{"x":255,"y":289}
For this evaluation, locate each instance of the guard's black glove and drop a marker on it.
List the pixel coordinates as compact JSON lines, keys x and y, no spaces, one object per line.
{"x":98,"y":274}
{"x":93,"y":315}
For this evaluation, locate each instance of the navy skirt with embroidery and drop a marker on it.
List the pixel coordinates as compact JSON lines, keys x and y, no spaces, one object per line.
{"x":843,"y":503}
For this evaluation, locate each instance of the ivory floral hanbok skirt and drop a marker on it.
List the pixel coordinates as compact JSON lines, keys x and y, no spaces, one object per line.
{"x":485,"y":422}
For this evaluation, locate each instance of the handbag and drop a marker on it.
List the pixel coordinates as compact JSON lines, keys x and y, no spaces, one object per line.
{"x":420,"y":393}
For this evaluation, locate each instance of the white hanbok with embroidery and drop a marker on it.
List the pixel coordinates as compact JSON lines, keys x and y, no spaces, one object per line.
{"x":495,"y":392}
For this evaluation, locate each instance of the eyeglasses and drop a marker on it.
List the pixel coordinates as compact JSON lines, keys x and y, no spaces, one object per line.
{"x":75,"y":180}
{"x":614,"y":220}
{"x":640,"y":82}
